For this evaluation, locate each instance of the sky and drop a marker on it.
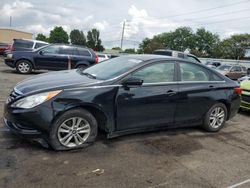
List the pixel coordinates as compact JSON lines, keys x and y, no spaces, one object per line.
{"x":143,"y":18}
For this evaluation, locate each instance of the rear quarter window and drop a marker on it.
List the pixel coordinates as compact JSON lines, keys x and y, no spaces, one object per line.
{"x":83,"y":52}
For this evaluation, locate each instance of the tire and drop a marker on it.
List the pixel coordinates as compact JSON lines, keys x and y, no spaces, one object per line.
{"x":82,"y":67}
{"x":215,"y":118}
{"x":24,"y":67}
{"x":86,"y":130}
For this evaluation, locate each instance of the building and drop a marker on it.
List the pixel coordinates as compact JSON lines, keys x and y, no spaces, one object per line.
{"x":8,"y":34}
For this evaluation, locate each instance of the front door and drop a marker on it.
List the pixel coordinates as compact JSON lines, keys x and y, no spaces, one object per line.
{"x":50,"y":58}
{"x":152,"y":104}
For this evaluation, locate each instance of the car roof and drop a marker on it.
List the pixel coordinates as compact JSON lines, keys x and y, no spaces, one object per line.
{"x":147,"y":57}
{"x":32,"y":40}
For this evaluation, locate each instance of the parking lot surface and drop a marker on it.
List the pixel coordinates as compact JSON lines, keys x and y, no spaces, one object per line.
{"x":175,"y":158}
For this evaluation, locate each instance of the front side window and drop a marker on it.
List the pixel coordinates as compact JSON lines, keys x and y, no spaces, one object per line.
{"x":51,"y":50}
{"x":191,"y":72}
{"x":160,"y":72}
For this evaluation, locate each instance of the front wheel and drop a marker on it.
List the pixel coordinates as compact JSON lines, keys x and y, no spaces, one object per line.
{"x":215,"y":118}
{"x":24,"y":67}
{"x":74,"y":129}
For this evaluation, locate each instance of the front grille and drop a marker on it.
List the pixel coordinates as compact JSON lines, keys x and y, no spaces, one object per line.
{"x":14,"y":95}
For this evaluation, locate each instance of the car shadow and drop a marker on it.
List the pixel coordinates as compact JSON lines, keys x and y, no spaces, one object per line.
{"x":15,"y":72}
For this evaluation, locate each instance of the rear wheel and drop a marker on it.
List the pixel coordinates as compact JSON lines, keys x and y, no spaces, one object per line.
{"x":24,"y":67}
{"x":215,"y":118}
{"x":74,"y":129}
{"x":82,"y":67}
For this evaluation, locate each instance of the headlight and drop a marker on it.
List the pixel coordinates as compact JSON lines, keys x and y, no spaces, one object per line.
{"x":9,"y":56}
{"x":34,"y":100}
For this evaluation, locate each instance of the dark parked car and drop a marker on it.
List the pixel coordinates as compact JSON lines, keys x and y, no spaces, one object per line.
{"x":178,"y":54}
{"x":51,"y":57}
{"x":124,"y":95}
{"x":24,"y":45}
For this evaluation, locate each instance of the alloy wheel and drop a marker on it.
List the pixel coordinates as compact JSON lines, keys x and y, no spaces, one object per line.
{"x":73,"y":132}
{"x":23,"y":67}
{"x":217,"y":117}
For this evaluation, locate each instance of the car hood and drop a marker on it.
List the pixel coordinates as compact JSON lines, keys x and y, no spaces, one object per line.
{"x":54,"y":81}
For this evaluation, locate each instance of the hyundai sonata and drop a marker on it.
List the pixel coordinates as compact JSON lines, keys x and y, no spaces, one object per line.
{"x":124,"y":95}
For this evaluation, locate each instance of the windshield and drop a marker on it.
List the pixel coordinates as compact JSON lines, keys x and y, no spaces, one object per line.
{"x":112,"y":68}
{"x":224,"y":67}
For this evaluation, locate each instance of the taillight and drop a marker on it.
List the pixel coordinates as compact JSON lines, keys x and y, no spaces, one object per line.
{"x":96,"y":58}
{"x":237,"y":90}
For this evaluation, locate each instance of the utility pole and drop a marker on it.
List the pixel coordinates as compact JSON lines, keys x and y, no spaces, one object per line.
{"x":123,"y":28}
{"x":10,"y":20}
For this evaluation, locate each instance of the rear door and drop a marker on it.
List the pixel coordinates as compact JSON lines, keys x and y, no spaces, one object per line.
{"x":197,"y":87}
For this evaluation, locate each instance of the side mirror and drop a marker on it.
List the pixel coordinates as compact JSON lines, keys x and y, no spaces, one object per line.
{"x":41,"y":52}
{"x":132,"y":82}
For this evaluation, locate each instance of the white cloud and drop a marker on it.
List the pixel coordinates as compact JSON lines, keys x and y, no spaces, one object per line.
{"x":101,"y":25}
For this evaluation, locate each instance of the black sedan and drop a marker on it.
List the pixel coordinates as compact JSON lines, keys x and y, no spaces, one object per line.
{"x":124,"y":95}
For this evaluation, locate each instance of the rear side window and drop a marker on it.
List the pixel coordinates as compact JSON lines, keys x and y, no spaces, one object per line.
{"x":38,"y":45}
{"x":160,"y":72}
{"x":192,"y":72}
{"x":83,"y":52}
{"x":67,"y":51}
{"x":23,"y":44}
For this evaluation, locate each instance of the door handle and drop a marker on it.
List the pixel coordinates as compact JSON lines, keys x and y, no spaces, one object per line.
{"x":171,"y":92}
{"x":211,"y":87}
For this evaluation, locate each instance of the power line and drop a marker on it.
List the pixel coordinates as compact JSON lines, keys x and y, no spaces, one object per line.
{"x":205,"y":10}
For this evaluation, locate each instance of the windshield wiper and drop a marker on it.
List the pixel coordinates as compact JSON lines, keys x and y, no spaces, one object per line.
{"x":89,"y":75}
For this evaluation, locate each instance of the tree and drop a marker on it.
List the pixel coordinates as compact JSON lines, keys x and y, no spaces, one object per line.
{"x":77,"y":37}
{"x":205,"y":43}
{"x":181,"y":39}
{"x":41,"y":37}
{"x":58,"y":35}
{"x":235,"y":47}
{"x":94,"y":41}
{"x":130,"y":51}
{"x":149,"y":45}
{"x":117,"y":48}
